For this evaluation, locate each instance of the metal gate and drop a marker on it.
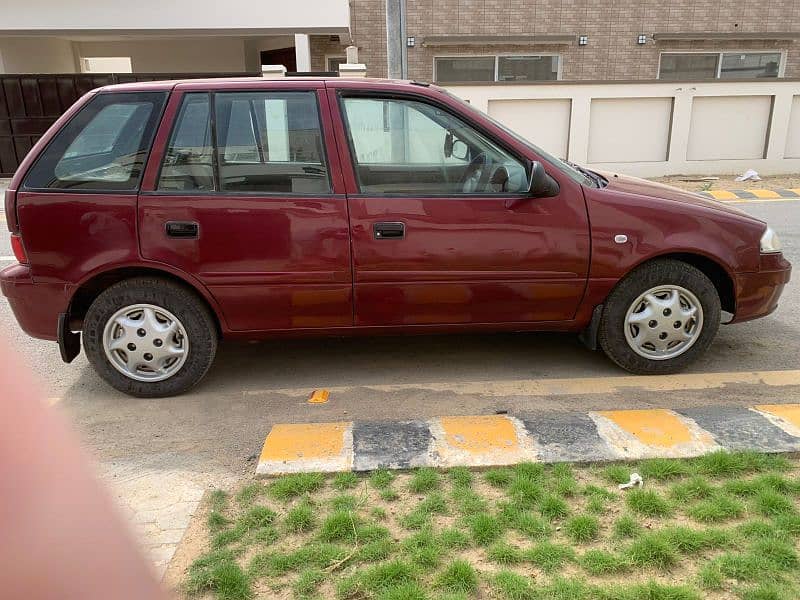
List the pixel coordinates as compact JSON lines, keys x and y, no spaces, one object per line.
{"x":29,"y":104}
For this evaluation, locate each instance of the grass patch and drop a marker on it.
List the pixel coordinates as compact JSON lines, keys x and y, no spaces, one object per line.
{"x":460,"y":478}
{"x":553,"y":507}
{"x":648,"y":503}
{"x":297,"y":484}
{"x":662,"y":469}
{"x":549,"y":556}
{"x":725,"y":525}
{"x":499,"y":478}
{"x":716,"y":509}
{"x":504,"y":554}
{"x":601,"y":562}
{"x":218,"y":500}
{"x":616,"y":474}
{"x":513,"y":586}
{"x":424,"y":480}
{"x":469,"y":503}
{"x":345,"y":481}
{"x":582,"y":528}
{"x":301,"y":518}
{"x":627,"y":527}
{"x":249,"y":493}
{"x":653,"y":550}
{"x":225,"y":578}
{"x":695,"y":488}
{"x":458,"y":577}
{"x":772,"y":504}
{"x":381,"y":479}
{"x":484,"y":528}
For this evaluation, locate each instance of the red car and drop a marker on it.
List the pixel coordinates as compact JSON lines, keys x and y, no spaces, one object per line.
{"x":157,"y":218}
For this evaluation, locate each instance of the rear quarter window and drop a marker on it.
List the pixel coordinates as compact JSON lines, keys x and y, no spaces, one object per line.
{"x":104,"y":147}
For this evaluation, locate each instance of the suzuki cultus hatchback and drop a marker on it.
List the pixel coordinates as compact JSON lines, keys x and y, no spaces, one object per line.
{"x":154,"y":219}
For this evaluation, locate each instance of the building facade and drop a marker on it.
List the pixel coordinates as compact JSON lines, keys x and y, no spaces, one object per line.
{"x":451,"y":41}
{"x":446,"y":41}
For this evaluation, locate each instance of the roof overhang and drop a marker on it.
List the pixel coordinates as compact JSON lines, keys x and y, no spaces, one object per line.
{"x":498,"y":40}
{"x":179,"y":17}
{"x":732,"y":36}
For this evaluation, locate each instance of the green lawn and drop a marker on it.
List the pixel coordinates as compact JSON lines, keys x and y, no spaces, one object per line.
{"x":726,"y":525}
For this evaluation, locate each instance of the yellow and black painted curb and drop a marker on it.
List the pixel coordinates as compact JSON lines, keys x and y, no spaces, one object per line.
{"x":754,"y":194}
{"x":490,"y":440}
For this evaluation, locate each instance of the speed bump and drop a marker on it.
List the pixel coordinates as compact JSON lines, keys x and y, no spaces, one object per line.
{"x":488,"y":440}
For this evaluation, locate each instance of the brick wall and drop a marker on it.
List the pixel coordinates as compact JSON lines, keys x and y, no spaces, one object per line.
{"x":612,"y":27}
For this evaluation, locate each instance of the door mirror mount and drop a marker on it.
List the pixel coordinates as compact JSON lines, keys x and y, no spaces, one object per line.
{"x":540,"y":184}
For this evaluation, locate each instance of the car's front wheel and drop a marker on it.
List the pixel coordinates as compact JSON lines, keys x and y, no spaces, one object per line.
{"x":660,"y":318}
{"x":149,"y":337}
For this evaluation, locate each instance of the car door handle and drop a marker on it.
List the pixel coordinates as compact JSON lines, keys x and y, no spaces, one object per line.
{"x":392,"y":229}
{"x":182,"y":229}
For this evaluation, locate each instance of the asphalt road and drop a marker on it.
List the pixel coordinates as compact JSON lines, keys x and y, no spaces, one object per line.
{"x":219,"y":427}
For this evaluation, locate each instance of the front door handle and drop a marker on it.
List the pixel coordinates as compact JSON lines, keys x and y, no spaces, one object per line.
{"x":182,"y":229}
{"x":389,"y":230}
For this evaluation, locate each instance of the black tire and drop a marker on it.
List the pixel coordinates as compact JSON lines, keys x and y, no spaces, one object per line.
{"x":655,"y":273}
{"x":197,"y":320}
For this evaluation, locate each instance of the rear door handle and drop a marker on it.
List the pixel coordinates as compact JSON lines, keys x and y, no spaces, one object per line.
{"x":182,"y":229}
{"x":391,"y":229}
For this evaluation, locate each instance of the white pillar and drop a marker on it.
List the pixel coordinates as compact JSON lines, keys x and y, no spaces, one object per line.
{"x":302,"y":51}
{"x":273,"y":71}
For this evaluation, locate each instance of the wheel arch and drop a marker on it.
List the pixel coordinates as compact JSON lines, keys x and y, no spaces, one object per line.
{"x":719,"y":275}
{"x":87,"y":290}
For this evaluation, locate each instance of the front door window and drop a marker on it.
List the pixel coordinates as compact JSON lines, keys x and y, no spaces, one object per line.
{"x":410,"y":147}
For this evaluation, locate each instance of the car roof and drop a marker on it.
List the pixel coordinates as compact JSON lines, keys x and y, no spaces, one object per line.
{"x":212,"y":83}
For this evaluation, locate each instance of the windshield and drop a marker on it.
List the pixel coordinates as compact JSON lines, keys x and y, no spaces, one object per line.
{"x":570,"y":170}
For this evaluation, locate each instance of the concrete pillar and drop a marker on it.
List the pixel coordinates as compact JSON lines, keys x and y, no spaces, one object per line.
{"x":395,"y":39}
{"x":352,"y":70}
{"x":273,"y":71}
{"x":302,"y":51}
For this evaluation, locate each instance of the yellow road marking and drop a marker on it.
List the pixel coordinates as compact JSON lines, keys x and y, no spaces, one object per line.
{"x":304,"y":441}
{"x":319,"y":397}
{"x":765,"y":194}
{"x":574,"y":386}
{"x":790,"y":413}
{"x":479,"y":435}
{"x":723,"y":195}
{"x":652,"y":427}
{"x":795,"y":190}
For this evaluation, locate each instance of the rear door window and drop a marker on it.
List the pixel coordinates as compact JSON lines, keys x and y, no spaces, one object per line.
{"x":270,"y":142}
{"x":104,"y":147}
{"x":189,"y":161}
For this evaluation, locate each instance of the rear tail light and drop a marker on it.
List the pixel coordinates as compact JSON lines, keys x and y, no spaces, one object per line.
{"x":18,"y":248}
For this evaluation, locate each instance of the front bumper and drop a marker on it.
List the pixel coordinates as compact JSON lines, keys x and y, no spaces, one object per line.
{"x":757,"y":294}
{"x":35,"y":305}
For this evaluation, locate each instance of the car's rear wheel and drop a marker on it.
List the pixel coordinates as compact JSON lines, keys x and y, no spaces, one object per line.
{"x":660,"y":318}
{"x":149,"y":337}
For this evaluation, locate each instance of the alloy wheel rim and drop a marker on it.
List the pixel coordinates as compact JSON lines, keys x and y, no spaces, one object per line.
{"x":145,"y":342}
{"x":663,"y":322}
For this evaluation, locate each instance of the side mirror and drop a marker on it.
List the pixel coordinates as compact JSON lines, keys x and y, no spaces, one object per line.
{"x":540,"y":184}
{"x":460,"y":150}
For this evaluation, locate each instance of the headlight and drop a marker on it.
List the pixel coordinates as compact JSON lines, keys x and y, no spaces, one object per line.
{"x":770,"y":242}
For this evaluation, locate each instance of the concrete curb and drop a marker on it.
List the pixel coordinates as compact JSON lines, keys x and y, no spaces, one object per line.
{"x":753,"y":194}
{"x":490,"y":440}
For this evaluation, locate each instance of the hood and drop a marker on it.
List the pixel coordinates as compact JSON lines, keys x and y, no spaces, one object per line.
{"x":644,"y":187}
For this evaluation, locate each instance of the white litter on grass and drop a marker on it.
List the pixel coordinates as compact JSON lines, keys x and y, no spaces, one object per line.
{"x":636,"y":479}
{"x":749,"y":175}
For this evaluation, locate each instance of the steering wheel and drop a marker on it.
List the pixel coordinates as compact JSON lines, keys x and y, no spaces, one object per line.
{"x":475,"y":174}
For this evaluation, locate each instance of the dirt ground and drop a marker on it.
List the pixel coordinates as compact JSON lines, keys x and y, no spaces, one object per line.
{"x":728,"y":182}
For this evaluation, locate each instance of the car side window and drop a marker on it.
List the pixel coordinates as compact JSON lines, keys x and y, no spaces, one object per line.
{"x":103,"y":147}
{"x":270,"y":142}
{"x":410,"y":147}
{"x":189,"y":160}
